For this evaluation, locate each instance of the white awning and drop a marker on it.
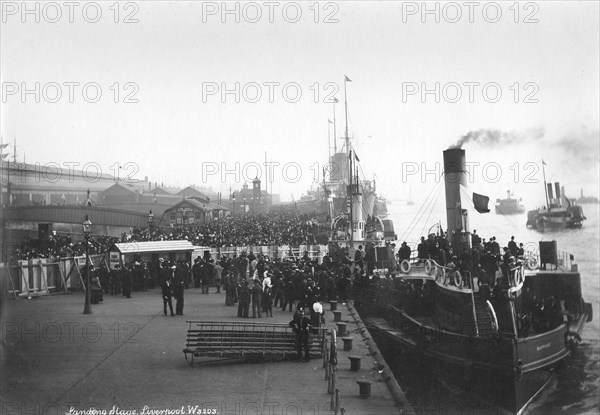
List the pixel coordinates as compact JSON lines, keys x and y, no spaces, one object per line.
{"x":154,"y":246}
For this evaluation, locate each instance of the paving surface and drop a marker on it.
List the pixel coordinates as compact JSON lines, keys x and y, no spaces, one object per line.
{"x":127,"y":356}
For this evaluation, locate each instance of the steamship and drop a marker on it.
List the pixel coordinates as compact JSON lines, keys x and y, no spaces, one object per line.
{"x":475,"y":339}
{"x":509,"y":206}
{"x":358,"y":216}
{"x":560,"y":212}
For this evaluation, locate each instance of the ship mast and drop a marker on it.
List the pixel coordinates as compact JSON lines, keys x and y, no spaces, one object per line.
{"x":349,"y":151}
{"x":335,"y":101}
{"x":545,"y":186}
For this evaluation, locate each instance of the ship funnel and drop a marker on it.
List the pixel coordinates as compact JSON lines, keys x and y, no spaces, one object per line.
{"x":557,"y":188}
{"x":550,"y":193}
{"x":455,"y":175}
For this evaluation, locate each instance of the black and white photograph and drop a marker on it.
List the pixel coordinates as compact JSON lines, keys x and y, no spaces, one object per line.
{"x":301,"y":207}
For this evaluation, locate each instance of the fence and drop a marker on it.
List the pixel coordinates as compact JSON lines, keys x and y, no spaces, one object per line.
{"x":272,"y":251}
{"x":41,"y":276}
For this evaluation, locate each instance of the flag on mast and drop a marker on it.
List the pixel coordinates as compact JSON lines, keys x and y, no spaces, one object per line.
{"x":480,"y":203}
{"x":347,"y":79}
{"x":330,"y":122}
{"x":543,"y":162}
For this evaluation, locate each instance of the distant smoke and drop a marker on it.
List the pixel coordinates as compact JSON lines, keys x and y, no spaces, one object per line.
{"x":581,"y":145}
{"x":492,"y":138}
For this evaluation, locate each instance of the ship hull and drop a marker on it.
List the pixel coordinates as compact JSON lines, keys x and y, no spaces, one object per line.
{"x":503,"y":210}
{"x":571,"y":217}
{"x":519,"y":368}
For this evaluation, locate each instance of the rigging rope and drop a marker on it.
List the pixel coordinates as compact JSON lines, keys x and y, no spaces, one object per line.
{"x":421,"y":210}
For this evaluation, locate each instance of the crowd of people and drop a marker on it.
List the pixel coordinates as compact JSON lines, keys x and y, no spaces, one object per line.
{"x":57,"y":246}
{"x":281,"y":227}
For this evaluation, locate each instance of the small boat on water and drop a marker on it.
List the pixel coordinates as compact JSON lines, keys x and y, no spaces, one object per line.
{"x":509,"y":206}
{"x":503,"y":343}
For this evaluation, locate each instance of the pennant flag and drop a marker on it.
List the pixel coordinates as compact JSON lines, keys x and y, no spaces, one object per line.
{"x":335,"y":100}
{"x":356,"y":157}
{"x":330,"y":122}
{"x":347,"y":79}
{"x":3,"y":146}
{"x":543,"y":162}
{"x":3,"y":156}
{"x":481,"y":203}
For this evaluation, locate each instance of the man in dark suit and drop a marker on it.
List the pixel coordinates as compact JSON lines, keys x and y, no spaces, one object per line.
{"x":301,"y":326}
{"x":167,"y":293}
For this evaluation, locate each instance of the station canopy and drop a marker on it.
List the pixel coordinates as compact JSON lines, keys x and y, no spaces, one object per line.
{"x":135,"y":247}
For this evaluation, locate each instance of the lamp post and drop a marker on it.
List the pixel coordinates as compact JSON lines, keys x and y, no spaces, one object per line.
{"x":150,"y":222}
{"x":87,"y":229}
{"x":244,"y":203}
{"x":234,"y":204}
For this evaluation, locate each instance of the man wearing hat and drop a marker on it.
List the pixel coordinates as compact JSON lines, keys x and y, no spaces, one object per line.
{"x":167,"y":293}
{"x":301,"y":326}
{"x":256,"y":295}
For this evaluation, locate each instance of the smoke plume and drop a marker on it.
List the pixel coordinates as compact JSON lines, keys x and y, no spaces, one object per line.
{"x":491,"y":138}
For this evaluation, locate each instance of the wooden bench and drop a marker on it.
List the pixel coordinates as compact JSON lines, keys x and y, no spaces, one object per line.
{"x":253,"y":341}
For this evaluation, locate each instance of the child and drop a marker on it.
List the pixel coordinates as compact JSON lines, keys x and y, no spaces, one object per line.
{"x":267,"y":301}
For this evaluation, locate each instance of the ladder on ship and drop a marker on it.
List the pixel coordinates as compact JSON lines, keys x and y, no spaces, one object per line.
{"x":484,"y":320}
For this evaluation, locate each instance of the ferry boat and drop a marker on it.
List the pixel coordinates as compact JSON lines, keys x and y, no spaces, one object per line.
{"x":474,"y":338}
{"x":559,"y":212}
{"x":509,"y":206}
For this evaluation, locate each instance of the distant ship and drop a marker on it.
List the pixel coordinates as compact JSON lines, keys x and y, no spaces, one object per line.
{"x":509,"y":206}
{"x":410,"y":202}
{"x":560,"y":212}
{"x":357,"y":214}
{"x":587,"y":199}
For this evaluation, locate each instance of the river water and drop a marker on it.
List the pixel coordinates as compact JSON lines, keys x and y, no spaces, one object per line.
{"x":575,"y":387}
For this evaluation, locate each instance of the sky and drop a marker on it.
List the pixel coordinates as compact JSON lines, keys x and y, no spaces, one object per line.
{"x":203,"y":92}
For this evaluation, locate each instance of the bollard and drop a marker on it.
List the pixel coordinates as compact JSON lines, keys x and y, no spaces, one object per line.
{"x":332,"y":403}
{"x":347,"y":343}
{"x":333,"y":305}
{"x":354,"y":363}
{"x":337,"y":316}
{"x":365,"y":388}
{"x":341,"y":328}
